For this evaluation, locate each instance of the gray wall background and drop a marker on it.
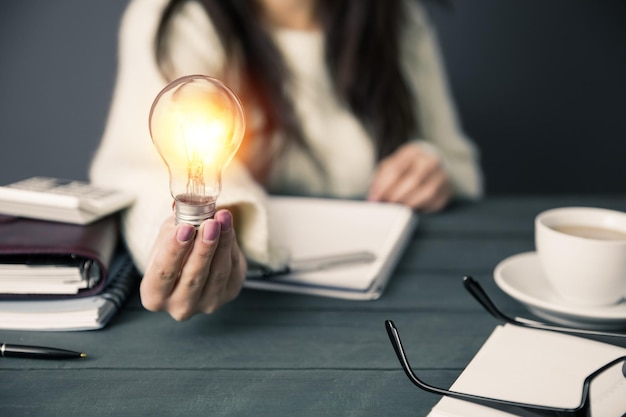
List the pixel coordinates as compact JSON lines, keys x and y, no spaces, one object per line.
{"x":540,"y":87}
{"x":56,"y":77}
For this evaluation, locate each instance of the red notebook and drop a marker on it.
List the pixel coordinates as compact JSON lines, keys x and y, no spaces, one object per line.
{"x":45,"y":259}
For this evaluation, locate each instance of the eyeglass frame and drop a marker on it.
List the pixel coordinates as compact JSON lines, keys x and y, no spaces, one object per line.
{"x":474,"y":288}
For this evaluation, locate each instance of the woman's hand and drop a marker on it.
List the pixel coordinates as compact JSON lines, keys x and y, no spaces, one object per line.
{"x":193,"y":272}
{"x":413,"y":177}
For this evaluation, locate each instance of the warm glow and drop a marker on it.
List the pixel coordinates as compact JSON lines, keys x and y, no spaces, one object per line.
{"x":197,"y":124}
{"x":194,"y":131}
{"x":200,"y":139}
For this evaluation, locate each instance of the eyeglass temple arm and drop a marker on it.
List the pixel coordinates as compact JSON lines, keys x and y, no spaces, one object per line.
{"x":394,"y":337}
{"x":521,"y":409}
{"x":475,"y":289}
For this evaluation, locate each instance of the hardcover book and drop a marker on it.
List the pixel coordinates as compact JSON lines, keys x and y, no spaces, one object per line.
{"x":45,"y":258}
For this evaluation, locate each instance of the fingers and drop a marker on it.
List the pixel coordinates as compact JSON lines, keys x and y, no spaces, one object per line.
{"x":194,"y":272}
{"x":389,"y":171}
{"x":433,"y":196}
{"x":225,"y":277}
{"x":184,"y":300}
{"x":235,"y":284}
{"x":161,"y":277}
{"x":425,"y":187}
{"x":412,"y":177}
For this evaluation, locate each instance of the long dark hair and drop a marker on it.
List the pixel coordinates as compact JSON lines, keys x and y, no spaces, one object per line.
{"x":362,"y":53}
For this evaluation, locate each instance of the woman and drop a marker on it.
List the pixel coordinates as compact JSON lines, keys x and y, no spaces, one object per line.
{"x":344,"y":98}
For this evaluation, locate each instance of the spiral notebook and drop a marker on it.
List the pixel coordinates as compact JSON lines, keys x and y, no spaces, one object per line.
{"x":78,"y":313}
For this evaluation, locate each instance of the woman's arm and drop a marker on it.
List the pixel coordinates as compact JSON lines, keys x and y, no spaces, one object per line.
{"x":441,"y":135}
{"x":126,"y":159}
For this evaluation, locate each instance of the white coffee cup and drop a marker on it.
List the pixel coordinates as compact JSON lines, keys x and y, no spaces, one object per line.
{"x":583,"y":253}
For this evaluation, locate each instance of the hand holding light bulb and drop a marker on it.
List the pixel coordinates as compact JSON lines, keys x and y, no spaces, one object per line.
{"x":196,"y":124}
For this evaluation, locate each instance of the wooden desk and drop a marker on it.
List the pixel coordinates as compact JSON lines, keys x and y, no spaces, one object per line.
{"x":272,"y":354}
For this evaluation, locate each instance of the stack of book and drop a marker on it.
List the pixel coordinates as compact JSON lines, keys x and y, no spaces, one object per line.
{"x":62,"y":266}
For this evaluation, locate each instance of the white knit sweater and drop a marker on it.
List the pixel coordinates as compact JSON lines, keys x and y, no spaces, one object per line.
{"x":127,"y":159}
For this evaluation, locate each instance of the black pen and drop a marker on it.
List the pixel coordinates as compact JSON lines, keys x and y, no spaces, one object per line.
{"x":37,"y":352}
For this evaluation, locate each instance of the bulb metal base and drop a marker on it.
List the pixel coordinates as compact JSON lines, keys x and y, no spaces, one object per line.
{"x":194,"y":213}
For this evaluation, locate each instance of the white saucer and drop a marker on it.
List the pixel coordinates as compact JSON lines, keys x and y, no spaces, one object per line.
{"x":522,"y":277}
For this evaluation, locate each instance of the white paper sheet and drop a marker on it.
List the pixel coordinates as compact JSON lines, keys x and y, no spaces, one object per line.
{"x":538,"y":367}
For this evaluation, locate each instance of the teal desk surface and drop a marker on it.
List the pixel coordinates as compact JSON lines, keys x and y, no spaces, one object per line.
{"x":275,"y":354}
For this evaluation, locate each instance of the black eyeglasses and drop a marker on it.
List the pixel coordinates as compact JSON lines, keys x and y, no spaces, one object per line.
{"x":517,"y":408}
{"x":474,"y":288}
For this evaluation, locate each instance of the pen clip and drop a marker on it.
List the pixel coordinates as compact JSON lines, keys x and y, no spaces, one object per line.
{"x":312,"y":264}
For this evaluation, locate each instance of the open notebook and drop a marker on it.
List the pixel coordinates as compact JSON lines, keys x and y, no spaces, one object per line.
{"x":373,"y":235}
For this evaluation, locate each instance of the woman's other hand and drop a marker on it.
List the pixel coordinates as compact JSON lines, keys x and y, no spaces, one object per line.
{"x":193,"y":271}
{"x":413,"y":177}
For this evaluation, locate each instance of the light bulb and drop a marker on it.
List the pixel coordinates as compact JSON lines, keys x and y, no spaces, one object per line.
{"x":196,"y":124}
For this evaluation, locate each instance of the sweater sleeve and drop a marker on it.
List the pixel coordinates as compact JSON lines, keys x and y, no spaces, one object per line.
{"x":127,"y":159}
{"x":441,"y":133}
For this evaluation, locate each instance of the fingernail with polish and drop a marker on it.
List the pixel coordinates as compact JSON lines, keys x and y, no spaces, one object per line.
{"x":185,"y":232}
{"x":211,"y":231}
{"x":226,"y":220}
